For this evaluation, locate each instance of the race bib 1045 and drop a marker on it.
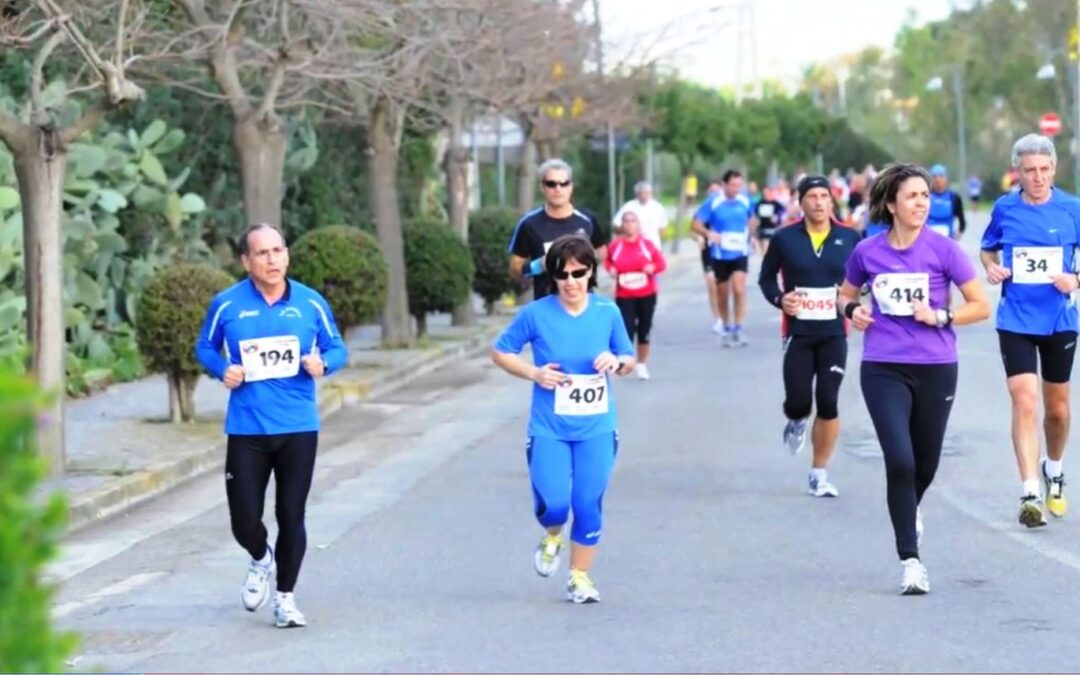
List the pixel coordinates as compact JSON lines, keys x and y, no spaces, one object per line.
{"x":816,"y":304}
{"x":270,"y":358}
{"x":1037,"y":264}
{"x":895,"y":293}
{"x":580,"y":395}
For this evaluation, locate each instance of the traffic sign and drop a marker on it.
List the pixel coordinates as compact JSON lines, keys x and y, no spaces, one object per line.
{"x":1050,"y":124}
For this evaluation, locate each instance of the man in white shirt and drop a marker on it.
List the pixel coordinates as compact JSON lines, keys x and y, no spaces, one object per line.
{"x":651,"y":214}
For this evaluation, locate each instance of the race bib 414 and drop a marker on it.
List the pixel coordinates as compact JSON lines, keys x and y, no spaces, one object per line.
{"x":896,"y":293}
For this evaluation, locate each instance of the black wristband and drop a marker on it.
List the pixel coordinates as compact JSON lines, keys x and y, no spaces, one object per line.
{"x":849,"y":311}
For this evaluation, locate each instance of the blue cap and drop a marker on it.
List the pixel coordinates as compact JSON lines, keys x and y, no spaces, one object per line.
{"x":938,"y":170}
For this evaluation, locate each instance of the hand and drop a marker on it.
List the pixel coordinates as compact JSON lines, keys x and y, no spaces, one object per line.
{"x":1066,"y":282}
{"x":996,"y":273}
{"x":861,"y":318}
{"x":923,"y":314}
{"x":234,"y":376}
{"x":314,"y":365}
{"x":649,"y":269}
{"x":790,"y":302}
{"x":713,"y":237}
{"x":548,"y":376}
{"x":606,"y":363}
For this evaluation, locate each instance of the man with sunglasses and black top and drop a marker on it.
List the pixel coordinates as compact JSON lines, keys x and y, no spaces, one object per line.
{"x":800,"y":275}
{"x":538,"y":228}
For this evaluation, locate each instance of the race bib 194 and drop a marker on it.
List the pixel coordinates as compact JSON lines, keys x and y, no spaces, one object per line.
{"x":270,"y":358}
{"x":816,"y":304}
{"x":895,"y":293}
{"x":1037,"y":264}
{"x":580,"y":395}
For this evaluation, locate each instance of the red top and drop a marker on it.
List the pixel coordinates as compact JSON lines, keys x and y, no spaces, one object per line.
{"x":626,"y":261}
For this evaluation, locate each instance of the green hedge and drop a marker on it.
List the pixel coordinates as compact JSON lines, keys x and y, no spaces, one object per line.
{"x":438,"y":268}
{"x":490,"y":230}
{"x":347,"y":266}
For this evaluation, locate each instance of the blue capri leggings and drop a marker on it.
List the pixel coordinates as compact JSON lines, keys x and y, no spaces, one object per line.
{"x":572,"y":475}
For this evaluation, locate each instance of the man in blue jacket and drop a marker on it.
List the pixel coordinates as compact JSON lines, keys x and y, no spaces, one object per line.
{"x":278,"y":337}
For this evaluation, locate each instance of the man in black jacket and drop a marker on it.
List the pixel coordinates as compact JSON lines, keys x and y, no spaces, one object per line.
{"x":800,"y":275}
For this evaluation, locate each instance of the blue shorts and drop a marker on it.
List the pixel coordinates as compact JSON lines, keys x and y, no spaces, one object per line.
{"x":573,"y":475}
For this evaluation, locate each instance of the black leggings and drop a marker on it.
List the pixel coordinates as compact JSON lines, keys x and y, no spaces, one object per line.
{"x":807,"y":357}
{"x":910,"y":406}
{"x":637,"y":314}
{"x":248,"y":463}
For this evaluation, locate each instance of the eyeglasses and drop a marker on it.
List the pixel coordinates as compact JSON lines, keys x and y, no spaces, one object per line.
{"x":577,"y":274}
{"x":552,"y":184}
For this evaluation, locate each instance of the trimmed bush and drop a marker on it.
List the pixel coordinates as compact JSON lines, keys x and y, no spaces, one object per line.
{"x":347,"y":266}
{"x":170,"y":315}
{"x":30,"y":533}
{"x":438,"y":269}
{"x":490,"y":230}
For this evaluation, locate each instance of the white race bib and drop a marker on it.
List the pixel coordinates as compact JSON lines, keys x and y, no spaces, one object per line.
{"x":633,"y":281}
{"x":1037,"y":264}
{"x":270,"y":358}
{"x":816,"y":304}
{"x":766,"y":210}
{"x":943,"y":230}
{"x":896,"y":292}
{"x":581,"y":395}
{"x":733,"y":241}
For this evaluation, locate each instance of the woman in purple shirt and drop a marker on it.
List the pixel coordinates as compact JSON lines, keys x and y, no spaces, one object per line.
{"x":909,"y":372}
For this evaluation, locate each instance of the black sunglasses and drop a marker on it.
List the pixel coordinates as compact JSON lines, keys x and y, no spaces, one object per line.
{"x":557,"y":183}
{"x":577,"y":274}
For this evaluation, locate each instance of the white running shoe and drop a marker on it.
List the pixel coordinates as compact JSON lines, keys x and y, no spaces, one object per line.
{"x":915,"y":580}
{"x":1031,"y":511}
{"x":718,"y":327}
{"x":739,"y":340}
{"x":580,"y":589}
{"x":795,"y":435}
{"x":286,"y":615}
{"x":918,"y":526}
{"x":822,"y":488}
{"x":546,"y":560}
{"x":642,"y":371}
{"x":256,"y":589}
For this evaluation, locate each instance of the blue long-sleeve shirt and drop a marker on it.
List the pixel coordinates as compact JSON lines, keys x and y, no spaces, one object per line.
{"x":277,"y":395}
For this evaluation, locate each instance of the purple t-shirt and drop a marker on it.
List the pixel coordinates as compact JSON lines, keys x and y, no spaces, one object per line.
{"x":896,"y":279}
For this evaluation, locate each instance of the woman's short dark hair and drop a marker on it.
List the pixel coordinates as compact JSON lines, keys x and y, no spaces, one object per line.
{"x":566,"y":248}
{"x":885,"y":187}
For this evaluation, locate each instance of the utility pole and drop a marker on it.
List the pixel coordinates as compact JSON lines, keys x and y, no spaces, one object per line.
{"x":961,"y":124}
{"x":610,"y":127}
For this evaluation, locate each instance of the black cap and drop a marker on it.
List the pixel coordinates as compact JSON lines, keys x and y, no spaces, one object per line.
{"x":810,"y":182}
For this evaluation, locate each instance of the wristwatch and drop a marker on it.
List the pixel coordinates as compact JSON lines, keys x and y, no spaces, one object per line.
{"x":944,"y":317}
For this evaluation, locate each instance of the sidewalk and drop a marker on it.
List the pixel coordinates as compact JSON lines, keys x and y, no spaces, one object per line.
{"x":122,"y":450}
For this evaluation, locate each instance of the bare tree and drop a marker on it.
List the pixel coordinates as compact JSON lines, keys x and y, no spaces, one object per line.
{"x":38,"y":139}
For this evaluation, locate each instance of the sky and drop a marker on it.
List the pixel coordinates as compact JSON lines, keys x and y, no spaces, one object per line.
{"x":791,"y":34}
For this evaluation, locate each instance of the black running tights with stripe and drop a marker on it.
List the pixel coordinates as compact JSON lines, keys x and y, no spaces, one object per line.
{"x":249,"y":461}
{"x":909,"y":405}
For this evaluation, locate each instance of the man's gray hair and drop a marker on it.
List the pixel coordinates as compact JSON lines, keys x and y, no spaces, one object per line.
{"x":1033,"y":144}
{"x":554,"y":164}
{"x":642,"y":185}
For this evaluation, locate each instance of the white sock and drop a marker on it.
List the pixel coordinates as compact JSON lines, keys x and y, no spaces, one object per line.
{"x":1053,"y":467}
{"x":820,"y":475}
{"x":1032,"y":487}
{"x":281,"y":595}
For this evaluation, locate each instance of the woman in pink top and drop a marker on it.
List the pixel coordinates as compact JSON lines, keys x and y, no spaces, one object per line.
{"x":635,"y":261}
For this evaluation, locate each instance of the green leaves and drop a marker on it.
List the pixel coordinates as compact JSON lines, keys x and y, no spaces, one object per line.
{"x":151,"y":167}
{"x":9,"y":198}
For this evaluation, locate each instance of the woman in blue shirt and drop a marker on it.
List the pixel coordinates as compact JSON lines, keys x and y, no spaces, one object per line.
{"x":578,"y":340}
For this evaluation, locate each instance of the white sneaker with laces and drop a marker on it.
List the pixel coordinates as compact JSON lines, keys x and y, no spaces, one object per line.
{"x":580,"y":589}
{"x":822,"y":487}
{"x":718,"y":327}
{"x":795,"y":435}
{"x":286,"y":615}
{"x":256,"y":589}
{"x":546,"y":559}
{"x":915,"y":580}
{"x":642,"y":371}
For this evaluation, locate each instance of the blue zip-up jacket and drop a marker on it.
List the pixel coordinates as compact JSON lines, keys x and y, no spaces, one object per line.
{"x":283,"y":404}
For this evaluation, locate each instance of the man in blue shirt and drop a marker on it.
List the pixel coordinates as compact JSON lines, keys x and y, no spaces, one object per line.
{"x":725,"y":223}
{"x":946,"y":207}
{"x":1029,"y":247}
{"x":278,"y":337}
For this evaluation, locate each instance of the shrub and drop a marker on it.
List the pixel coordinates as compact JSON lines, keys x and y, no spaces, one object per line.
{"x":30,"y":533}
{"x":347,"y":266}
{"x":170,"y":315}
{"x":438,"y":269}
{"x":490,"y":230}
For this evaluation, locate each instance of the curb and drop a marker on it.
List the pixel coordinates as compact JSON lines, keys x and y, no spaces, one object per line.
{"x":333,"y":394}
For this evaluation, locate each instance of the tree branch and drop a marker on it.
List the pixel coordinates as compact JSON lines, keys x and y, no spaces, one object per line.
{"x":38,"y":114}
{"x":277,"y":79}
{"x":13,"y":132}
{"x":120,"y":33}
{"x":88,"y":121}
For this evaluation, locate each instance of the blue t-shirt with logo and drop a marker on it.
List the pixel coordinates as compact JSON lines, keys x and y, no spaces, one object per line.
{"x":573,"y":342}
{"x":1028,"y":235}
{"x":731,"y":219}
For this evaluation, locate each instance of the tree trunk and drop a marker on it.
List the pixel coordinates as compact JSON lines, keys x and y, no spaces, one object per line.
{"x":457,"y":187}
{"x":526,"y":195}
{"x":39,"y":168}
{"x":182,"y":398}
{"x":384,"y":142}
{"x":260,"y":147}
{"x":174,"y":398}
{"x":421,"y":325}
{"x":680,"y":210}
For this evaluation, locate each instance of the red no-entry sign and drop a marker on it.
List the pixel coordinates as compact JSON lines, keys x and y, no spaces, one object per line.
{"x":1050,"y":124}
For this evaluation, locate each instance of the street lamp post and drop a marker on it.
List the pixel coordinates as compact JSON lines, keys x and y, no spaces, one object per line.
{"x":937,"y":84}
